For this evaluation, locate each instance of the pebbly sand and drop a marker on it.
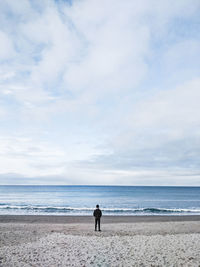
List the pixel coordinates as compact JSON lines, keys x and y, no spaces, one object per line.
{"x":48,"y":241}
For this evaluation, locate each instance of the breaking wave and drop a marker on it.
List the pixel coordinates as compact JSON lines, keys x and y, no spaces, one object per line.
{"x":84,"y":210}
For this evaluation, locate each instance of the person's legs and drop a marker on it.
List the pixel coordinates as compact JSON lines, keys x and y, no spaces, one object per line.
{"x":99,"y":224}
{"x":96,"y":224}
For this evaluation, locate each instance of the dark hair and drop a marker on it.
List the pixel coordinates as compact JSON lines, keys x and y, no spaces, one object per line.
{"x":97,"y":206}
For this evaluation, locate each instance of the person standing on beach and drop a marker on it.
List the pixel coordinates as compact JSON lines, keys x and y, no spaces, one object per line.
{"x":97,"y":214}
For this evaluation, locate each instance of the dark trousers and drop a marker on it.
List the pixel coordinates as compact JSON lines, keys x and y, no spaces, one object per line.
{"x":97,"y":221}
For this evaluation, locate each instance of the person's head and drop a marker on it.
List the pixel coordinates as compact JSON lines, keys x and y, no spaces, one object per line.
{"x":97,"y":206}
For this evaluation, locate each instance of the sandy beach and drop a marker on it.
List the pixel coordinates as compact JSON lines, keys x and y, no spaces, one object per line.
{"x":124,"y":241}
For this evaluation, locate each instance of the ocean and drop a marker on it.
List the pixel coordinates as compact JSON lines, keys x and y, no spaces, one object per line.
{"x":113,"y":200}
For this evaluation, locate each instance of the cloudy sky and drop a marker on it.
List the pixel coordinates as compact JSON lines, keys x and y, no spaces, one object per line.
{"x":100,"y":92}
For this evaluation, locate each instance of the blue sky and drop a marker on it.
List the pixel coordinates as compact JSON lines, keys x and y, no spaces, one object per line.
{"x":100,"y":92}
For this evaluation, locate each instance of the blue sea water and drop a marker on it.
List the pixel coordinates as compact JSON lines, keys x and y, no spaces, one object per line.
{"x":113,"y":200}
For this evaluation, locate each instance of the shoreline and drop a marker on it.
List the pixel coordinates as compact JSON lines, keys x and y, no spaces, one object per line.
{"x":60,"y":219}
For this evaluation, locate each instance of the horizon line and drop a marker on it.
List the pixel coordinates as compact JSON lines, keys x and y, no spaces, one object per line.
{"x":98,"y":185}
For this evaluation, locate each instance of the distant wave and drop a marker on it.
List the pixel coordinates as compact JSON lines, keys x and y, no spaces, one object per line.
{"x":82,"y":210}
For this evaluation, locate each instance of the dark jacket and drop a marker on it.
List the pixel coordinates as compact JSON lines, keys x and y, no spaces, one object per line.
{"x":97,"y":213}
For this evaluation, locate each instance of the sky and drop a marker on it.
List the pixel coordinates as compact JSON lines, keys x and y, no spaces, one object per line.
{"x":100,"y":92}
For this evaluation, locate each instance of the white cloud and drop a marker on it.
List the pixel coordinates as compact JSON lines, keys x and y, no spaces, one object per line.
{"x":162,"y":132}
{"x":21,"y":154}
{"x":7,"y":50}
{"x":176,"y":108}
{"x":113,"y":84}
{"x":181,"y":60}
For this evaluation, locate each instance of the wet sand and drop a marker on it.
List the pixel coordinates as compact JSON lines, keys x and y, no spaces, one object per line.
{"x":89,"y":219}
